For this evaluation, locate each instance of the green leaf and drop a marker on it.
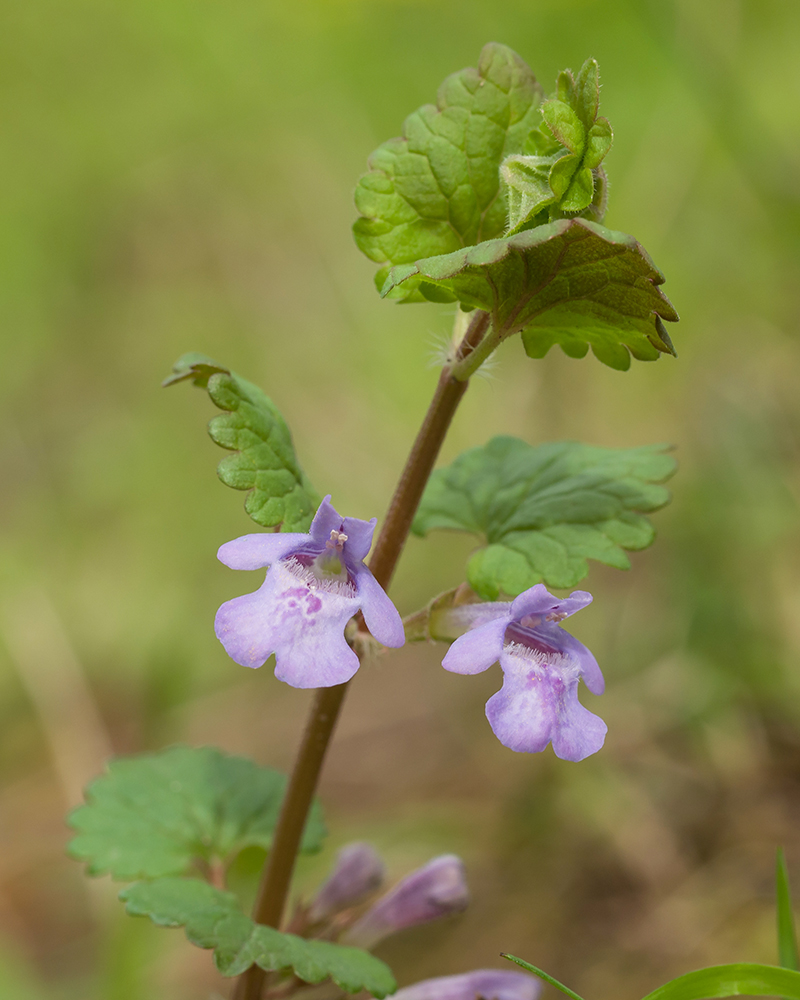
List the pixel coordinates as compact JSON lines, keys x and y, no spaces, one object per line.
{"x":572,"y":283}
{"x":437,"y":187}
{"x":212,"y":919}
{"x":599,"y":143}
{"x":528,"y":182}
{"x":580,"y":192}
{"x":787,"y":937}
{"x":742,"y":978}
{"x":543,"y":511}
{"x":565,"y":125}
{"x":575,"y":183}
{"x":264,"y":461}
{"x":561,"y":175}
{"x":587,"y":92}
{"x":159,"y":814}
{"x":542,"y":975}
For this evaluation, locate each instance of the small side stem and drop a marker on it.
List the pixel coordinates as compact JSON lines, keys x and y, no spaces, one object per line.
{"x":467,"y":365}
{"x":280,"y":864}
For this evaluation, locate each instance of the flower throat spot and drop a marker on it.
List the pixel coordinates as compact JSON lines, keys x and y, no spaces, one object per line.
{"x":328,"y":564}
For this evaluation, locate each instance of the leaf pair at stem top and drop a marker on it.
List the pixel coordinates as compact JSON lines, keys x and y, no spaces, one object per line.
{"x":493,"y":198}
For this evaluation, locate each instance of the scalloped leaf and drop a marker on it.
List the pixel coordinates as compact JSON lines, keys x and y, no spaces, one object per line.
{"x":572,"y":282}
{"x":212,"y":919}
{"x":159,"y":814}
{"x":264,"y":460}
{"x":543,"y":511}
{"x":437,"y":187}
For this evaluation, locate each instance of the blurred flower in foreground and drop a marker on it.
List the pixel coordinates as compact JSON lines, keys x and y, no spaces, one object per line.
{"x":359,"y":871}
{"x":438,"y":889}
{"x":482,"y":984}
{"x":542,"y":664}
{"x":314,"y":586}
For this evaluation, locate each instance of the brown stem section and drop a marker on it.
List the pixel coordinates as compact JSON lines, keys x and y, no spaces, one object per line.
{"x":328,"y":701}
{"x":278,"y":870}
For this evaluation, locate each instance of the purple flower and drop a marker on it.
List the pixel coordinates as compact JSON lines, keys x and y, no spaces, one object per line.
{"x":538,"y":703}
{"x":435,"y":890}
{"x":314,"y":586}
{"x":358,"y":872}
{"x":482,"y":984}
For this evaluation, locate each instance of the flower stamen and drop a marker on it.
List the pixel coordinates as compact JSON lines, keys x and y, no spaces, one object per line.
{"x":336,"y":541}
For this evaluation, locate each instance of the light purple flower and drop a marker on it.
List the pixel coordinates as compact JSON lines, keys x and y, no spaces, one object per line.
{"x":482,"y":984}
{"x":314,"y":586}
{"x":542,"y":664}
{"x":359,"y":871}
{"x":435,"y":890}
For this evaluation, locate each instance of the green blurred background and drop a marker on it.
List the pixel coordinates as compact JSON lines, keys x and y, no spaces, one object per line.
{"x":177,"y":175}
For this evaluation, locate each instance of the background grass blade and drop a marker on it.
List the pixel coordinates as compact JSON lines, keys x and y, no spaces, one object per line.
{"x":787,"y":938}
{"x":542,"y":975}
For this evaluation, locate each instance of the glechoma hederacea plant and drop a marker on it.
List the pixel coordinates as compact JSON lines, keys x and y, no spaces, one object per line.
{"x":493,"y":200}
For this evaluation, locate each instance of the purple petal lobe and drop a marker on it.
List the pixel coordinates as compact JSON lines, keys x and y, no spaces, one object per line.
{"x":382,"y":617}
{"x":538,"y":704}
{"x":538,"y":602}
{"x":590,"y":671}
{"x":297,"y":617}
{"x":259,"y":550}
{"x":359,"y":537}
{"x":243,"y":627}
{"x":359,"y":871}
{"x":310,"y":615}
{"x":580,"y":733}
{"x":477,"y":649}
{"x":483,"y":984}
{"x":576,"y":601}
{"x":438,"y":889}
{"x":325,"y":521}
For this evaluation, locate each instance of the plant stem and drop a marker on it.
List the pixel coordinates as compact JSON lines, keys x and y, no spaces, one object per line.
{"x":278,"y":870}
{"x":420,"y":462}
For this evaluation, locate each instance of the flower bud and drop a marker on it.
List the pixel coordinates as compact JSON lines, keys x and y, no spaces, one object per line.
{"x":435,"y":890}
{"x":482,"y":984}
{"x":358,"y":872}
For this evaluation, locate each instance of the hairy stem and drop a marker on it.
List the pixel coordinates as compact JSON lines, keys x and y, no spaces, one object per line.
{"x":466,"y":365}
{"x":278,"y":870}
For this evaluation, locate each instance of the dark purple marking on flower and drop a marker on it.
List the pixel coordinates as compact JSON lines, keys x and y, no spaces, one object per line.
{"x":529,"y":637}
{"x":315,"y":583}
{"x":542,"y":665}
